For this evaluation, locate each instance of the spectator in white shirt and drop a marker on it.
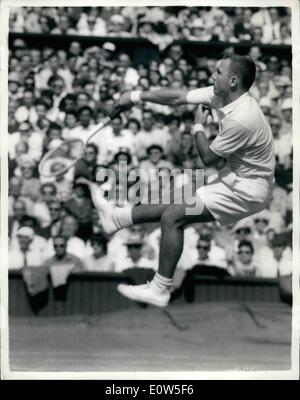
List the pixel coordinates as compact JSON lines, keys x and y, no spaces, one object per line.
{"x":99,"y":261}
{"x":244,"y":264}
{"x":85,"y":126}
{"x":135,"y":256}
{"x":149,"y":135}
{"x":209,"y":255}
{"x":26,"y":134}
{"x":28,"y":252}
{"x":75,"y":245}
{"x":276,"y":259}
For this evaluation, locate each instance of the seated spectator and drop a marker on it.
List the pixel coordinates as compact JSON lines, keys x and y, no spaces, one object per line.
{"x":86,"y":166}
{"x":14,"y":194}
{"x":284,"y":173}
{"x":26,"y":112}
{"x":209,"y":255}
{"x":62,"y":263}
{"x":25,"y":134}
{"x":30,"y":184}
{"x":90,"y":24}
{"x":69,"y":229}
{"x":149,"y":135}
{"x":41,"y":206}
{"x":64,"y":26}
{"x":243,"y":28}
{"x":260,"y":227}
{"x":80,"y":206}
{"x":28,"y":251}
{"x":244,"y":264}
{"x":99,"y":261}
{"x":56,"y":219}
{"x":117,"y":26}
{"x":275,"y":260}
{"x":134,"y":257}
{"x":85,"y":124}
{"x":14,"y":222}
{"x":271,"y":27}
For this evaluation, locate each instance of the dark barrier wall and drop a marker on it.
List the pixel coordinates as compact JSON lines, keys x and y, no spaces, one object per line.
{"x":95,"y":293}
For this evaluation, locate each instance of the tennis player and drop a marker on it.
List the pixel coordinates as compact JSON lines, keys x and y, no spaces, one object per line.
{"x":243,"y":187}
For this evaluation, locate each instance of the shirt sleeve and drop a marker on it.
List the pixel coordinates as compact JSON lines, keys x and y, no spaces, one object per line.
{"x":202,"y":95}
{"x":232,"y":137}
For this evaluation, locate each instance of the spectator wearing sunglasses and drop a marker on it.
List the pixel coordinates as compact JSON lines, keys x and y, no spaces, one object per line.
{"x":244,"y":264}
{"x":209,"y":254}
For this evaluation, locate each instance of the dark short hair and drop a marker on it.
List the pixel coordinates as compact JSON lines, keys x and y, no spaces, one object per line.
{"x":100,"y":238}
{"x":246,"y":243}
{"x":85,"y":108}
{"x":245,"y":68}
{"x":94,"y":147}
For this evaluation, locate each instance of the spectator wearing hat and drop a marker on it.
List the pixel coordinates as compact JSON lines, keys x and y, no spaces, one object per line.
{"x":135,"y":258}
{"x":27,"y":253}
{"x":244,"y":264}
{"x":99,"y":261}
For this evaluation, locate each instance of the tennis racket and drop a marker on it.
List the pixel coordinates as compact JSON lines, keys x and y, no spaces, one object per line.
{"x":60,"y":159}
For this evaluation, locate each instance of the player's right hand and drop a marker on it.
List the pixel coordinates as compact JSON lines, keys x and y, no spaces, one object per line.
{"x":125,"y":100}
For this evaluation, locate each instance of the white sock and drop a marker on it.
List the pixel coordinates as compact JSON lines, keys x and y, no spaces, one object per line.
{"x":122,"y":217}
{"x":161,"y":283}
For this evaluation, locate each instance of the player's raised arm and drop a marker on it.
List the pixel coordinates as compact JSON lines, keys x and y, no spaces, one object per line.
{"x":171,"y":97}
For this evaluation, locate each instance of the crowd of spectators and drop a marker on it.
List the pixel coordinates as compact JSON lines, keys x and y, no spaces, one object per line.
{"x":58,"y":95}
{"x":160,"y":25}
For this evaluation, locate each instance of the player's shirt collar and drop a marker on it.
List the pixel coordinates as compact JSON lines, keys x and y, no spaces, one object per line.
{"x":231,"y":106}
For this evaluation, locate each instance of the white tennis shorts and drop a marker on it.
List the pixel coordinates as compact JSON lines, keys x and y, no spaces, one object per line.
{"x":230,"y":198}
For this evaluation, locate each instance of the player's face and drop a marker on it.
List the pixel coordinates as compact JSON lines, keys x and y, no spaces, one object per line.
{"x":221,"y":78}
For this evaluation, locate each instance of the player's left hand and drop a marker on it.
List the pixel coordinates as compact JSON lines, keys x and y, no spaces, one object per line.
{"x":201,"y":115}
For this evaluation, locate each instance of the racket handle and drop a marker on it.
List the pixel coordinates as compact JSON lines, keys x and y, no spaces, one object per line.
{"x":117,"y":111}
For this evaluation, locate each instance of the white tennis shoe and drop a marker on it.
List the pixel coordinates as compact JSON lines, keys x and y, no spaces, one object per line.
{"x":105,"y":210}
{"x":145,"y":294}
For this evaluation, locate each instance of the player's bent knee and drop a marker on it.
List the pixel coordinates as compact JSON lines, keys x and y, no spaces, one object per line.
{"x":172,"y":215}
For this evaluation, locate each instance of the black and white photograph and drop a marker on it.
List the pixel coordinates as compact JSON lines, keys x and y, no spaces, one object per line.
{"x":150,"y":190}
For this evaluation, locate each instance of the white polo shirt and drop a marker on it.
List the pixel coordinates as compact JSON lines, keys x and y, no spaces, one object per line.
{"x":245,"y":137}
